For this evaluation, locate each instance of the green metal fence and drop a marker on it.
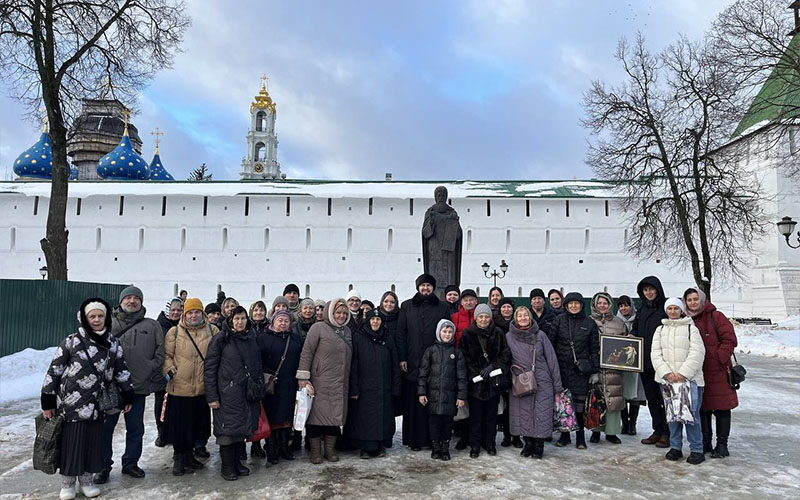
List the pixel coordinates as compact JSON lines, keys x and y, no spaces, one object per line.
{"x":40,"y":313}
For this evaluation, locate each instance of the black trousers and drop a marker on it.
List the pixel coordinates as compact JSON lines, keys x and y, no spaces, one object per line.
{"x":315,"y":431}
{"x":483,"y":422}
{"x":157,"y":406}
{"x":440,"y":427}
{"x":655,"y":403}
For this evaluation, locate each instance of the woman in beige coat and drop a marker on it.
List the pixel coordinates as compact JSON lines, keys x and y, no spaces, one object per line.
{"x":610,"y":381}
{"x":325,"y":370}
{"x":187,"y":419}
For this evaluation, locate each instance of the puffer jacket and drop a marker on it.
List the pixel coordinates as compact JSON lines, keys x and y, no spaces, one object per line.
{"x":577,"y":328}
{"x":181,"y":358}
{"x":442,"y":377}
{"x":720,"y":341}
{"x":474,"y":341}
{"x":142,"y":341}
{"x":462,"y":319}
{"x":610,"y":380}
{"x":678,"y":348}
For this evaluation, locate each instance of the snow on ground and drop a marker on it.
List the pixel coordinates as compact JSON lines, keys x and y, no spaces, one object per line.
{"x":22,"y":373}
{"x":765,"y":462}
{"x":770,"y":340}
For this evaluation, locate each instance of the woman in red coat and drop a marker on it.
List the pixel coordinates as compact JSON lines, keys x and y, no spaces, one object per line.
{"x":719,"y":398}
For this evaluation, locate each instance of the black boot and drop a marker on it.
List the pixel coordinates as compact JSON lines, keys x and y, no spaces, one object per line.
{"x":595,"y":437}
{"x":241,"y":470}
{"x":516,"y":442}
{"x":580,"y":439}
{"x":625,"y":419}
{"x":178,"y":463}
{"x":538,"y":448}
{"x":227,"y":456}
{"x":297,"y":441}
{"x":633,"y":414}
{"x":436,"y":450}
{"x":190,"y":462}
{"x":563,"y":440}
{"x":256,"y":450}
{"x":527,"y":448}
{"x":723,"y":431}
{"x":445,"y":450}
{"x":708,"y":432}
{"x":272,"y":450}
{"x":462,"y":443}
{"x":284,"y":449}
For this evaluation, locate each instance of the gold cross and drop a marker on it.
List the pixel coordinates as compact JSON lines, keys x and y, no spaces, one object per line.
{"x":126,"y":114}
{"x":264,"y":81}
{"x":157,"y":135}
{"x":44,"y":112}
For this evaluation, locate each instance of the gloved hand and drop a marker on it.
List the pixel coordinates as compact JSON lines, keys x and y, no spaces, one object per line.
{"x":595,"y":378}
{"x":486,"y":371}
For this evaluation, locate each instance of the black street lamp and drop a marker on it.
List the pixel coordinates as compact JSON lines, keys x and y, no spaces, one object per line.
{"x":786,"y":227}
{"x":43,"y":272}
{"x":494,"y":274}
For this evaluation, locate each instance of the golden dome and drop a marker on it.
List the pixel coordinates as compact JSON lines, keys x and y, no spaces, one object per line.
{"x":262,"y":99}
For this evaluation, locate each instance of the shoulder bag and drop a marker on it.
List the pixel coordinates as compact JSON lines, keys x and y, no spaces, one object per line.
{"x":271,"y":378}
{"x":583,"y":366}
{"x":501,"y":381}
{"x":523,"y":383}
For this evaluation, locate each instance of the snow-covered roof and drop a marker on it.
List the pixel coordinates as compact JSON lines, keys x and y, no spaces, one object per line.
{"x":327,"y":189}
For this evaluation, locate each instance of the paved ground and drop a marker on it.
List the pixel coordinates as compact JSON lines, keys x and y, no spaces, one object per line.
{"x":765,"y":463}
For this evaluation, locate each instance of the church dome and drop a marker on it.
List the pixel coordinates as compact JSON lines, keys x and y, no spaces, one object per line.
{"x":73,"y":173}
{"x":157,"y":170}
{"x":36,"y":162}
{"x":123,"y":163}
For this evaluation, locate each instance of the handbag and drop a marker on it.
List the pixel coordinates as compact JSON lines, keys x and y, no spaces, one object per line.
{"x":736,"y":372}
{"x":263,"y":431}
{"x":523,"y":383}
{"x":564,"y":419}
{"x":109,"y":401}
{"x":254,"y":387}
{"x":584,"y":366}
{"x":271,"y":378}
{"x":595,"y":409}
{"x":47,"y":446}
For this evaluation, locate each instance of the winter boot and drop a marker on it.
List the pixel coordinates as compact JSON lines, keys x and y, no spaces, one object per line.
{"x":445,"y":450}
{"x":228,"y":454}
{"x":633,"y":414}
{"x":613,"y":439}
{"x":563,"y":440}
{"x":652,"y":439}
{"x":241,"y":470}
{"x":580,"y":439}
{"x":315,"y":451}
{"x":284,"y":448}
{"x":272,"y":449}
{"x":663,"y":441}
{"x":506,"y":442}
{"x":86,"y":486}
{"x":330,"y":449}
{"x":189,"y":462}
{"x":256,"y":450}
{"x":178,"y":463}
{"x":67,"y":488}
{"x":674,"y":455}
{"x":516,"y":442}
{"x":527,"y":449}
{"x":723,"y":431}
{"x":595,"y":438}
{"x":708,"y":432}
{"x":462,"y":443}
{"x":436,"y":450}
{"x":625,"y":418}
{"x":297,"y":441}
{"x":538,"y":448}
{"x":696,"y":458}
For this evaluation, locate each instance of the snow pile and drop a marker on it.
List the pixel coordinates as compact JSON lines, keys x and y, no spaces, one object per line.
{"x":22,"y":373}
{"x":790,"y":323}
{"x":764,"y":340}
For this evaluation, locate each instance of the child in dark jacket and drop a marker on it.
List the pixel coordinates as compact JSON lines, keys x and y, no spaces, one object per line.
{"x":442,"y":387}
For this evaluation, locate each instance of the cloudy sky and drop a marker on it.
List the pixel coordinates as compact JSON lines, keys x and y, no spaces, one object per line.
{"x":425,"y":90}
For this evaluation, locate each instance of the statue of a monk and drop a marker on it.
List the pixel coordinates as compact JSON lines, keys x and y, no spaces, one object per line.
{"x":441,"y":242}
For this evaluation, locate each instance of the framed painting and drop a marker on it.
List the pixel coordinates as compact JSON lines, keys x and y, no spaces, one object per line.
{"x":621,"y":353}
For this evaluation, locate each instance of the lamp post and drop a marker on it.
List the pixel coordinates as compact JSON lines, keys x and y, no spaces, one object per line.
{"x":786,"y":227}
{"x":43,"y":272}
{"x":494,"y":274}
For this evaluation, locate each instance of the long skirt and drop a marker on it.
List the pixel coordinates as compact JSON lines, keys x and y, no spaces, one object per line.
{"x":187,"y":420}
{"x":81,"y":447}
{"x":415,"y":418}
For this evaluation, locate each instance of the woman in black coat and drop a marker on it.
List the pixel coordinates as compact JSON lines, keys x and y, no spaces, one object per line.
{"x":390,"y":312}
{"x":577,"y":345}
{"x":485,"y":350}
{"x":232,"y":356}
{"x":279,"y":338}
{"x":374,"y":380}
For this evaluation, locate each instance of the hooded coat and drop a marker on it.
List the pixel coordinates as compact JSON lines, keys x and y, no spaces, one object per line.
{"x":610,"y":380}
{"x":649,"y":317}
{"x":231,"y":358}
{"x":443,"y":376}
{"x":325,"y":362}
{"x":181,"y":357}
{"x":719,"y":338}
{"x":678,"y":348}
{"x":374,"y":378}
{"x":474,"y":343}
{"x":582,"y":331}
{"x":142,"y":340}
{"x":532,"y":415}
{"x":416,"y":329}
{"x":71,"y":386}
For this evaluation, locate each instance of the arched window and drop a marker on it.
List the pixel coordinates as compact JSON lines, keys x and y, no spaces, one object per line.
{"x":260,"y":152}
{"x":261,"y":121}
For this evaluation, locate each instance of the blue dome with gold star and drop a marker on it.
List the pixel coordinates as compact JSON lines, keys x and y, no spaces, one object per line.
{"x":123,"y":163}
{"x":157,"y":170}
{"x":37,"y":161}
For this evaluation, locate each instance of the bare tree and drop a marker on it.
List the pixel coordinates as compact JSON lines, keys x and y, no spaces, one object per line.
{"x":653,"y":135}
{"x":57,"y":52}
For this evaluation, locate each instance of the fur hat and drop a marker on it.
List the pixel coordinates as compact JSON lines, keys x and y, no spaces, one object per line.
{"x":425,"y":278}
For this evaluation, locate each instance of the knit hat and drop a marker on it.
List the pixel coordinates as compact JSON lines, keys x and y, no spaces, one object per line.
{"x":451,"y":288}
{"x":505,"y":300}
{"x":291,"y":287}
{"x":307,"y":302}
{"x":372,"y":313}
{"x":537,"y":292}
{"x":319,"y":303}
{"x":280,"y":299}
{"x":193,"y":304}
{"x":352,"y":293}
{"x":675,"y":301}
{"x":367,"y":303}
{"x":131,"y":290}
{"x":94,"y":306}
{"x":212,"y":307}
{"x":483,"y":309}
{"x":469,"y":292}
{"x":281,"y":313}
{"x":425,"y":278}
{"x":443,"y":323}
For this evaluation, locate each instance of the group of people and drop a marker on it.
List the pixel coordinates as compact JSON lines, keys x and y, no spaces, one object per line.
{"x":447,"y":366}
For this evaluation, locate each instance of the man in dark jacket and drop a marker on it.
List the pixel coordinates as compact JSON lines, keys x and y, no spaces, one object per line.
{"x":542,"y":314}
{"x":416,"y":331}
{"x":142,"y":342}
{"x":648,"y":318}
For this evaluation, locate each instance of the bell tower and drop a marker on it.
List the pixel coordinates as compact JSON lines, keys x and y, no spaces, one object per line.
{"x":261,"y":161}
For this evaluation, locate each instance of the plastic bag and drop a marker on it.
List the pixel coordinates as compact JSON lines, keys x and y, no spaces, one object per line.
{"x":678,"y":402}
{"x":564,"y":419}
{"x":302,"y":407}
{"x":462,"y":413}
{"x":47,"y":446}
{"x":263,"y":431}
